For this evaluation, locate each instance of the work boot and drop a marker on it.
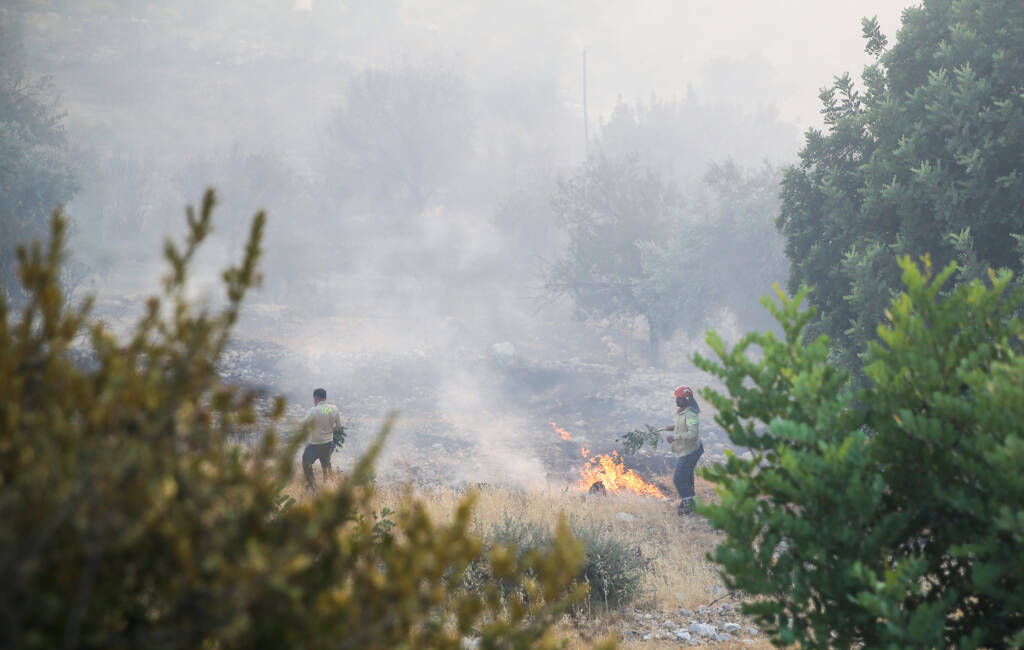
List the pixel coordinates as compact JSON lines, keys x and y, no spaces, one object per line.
{"x":685,"y":507}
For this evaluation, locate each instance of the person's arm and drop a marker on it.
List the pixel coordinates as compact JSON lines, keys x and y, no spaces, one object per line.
{"x":670,"y":437}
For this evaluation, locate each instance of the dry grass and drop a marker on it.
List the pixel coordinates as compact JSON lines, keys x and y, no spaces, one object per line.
{"x":755,"y":644}
{"x":680,"y":576}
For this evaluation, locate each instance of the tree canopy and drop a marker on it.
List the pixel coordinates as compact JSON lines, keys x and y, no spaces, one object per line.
{"x":638,"y":247}
{"x":400,"y":135}
{"x":925,"y":158}
{"x":610,"y":206}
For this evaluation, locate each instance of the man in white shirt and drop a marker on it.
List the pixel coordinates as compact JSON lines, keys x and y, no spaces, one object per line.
{"x":323,"y":420}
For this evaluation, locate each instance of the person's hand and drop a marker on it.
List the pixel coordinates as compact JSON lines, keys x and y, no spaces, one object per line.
{"x":669,"y":438}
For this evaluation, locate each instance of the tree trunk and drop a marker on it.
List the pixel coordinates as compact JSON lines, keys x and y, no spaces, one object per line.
{"x":654,"y":349}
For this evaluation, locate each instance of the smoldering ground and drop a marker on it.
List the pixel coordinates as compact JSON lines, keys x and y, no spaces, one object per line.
{"x":408,"y":155}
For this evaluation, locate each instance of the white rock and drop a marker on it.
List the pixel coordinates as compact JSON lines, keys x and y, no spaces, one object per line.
{"x":702,"y":629}
{"x":751,"y":631}
{"x":723,"y":636}
{"x":682,"y":634}
{"x":731,"y":627}
{"x":647,"y":637}
{"x":668,"y":623}
{"x":624,"y":516}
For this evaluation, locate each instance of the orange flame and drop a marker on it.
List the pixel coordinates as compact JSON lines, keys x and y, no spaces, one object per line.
{"x":608,"y":470}
{"x":562,"y":432}
{"x":584,"y":452}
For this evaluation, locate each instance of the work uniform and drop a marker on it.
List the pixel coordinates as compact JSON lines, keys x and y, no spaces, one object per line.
{"x":686,"y":442}
{"x":322,"y":420}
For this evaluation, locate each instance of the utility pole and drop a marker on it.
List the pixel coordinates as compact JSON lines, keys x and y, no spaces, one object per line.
{"x":586,"y":135}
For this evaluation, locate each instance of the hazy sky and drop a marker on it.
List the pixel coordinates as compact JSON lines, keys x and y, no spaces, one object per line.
{"x":635,"y":48}
{"x":768,"y":52}
{"x":803,"y":44}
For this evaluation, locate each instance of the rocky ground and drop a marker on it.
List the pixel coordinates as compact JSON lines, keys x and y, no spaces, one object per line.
{"x":700,"y":626}
{"x":487,"y":416}
{"x":451,"y":429}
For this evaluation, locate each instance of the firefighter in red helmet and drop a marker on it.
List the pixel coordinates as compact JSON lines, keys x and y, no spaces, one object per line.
{"x":685,"y":440}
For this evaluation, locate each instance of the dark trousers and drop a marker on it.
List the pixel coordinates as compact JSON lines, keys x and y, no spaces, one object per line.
{"x":310,"y":455}
{"x":683,"y":478}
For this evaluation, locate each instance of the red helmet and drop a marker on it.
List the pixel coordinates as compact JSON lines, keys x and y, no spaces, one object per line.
{"x":683,"y":391}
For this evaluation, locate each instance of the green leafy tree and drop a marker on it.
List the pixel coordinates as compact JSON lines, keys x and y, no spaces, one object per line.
{"x":722,"y":252}
{"x":610,"y":207}
{"x":399,"y":136}
{"x":898,"y":523}
{"x":680,"y":137}
{"x":131,"y":520}
{"x":36,"y":173}
{"x":635,"y":248}
{"x":927,"y":151}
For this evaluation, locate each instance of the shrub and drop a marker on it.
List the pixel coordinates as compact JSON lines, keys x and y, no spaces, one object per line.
{"x":131,"y":521}
{"x":889,"y":517}
{"x":512,"y":532}
{"x":611,"y":568}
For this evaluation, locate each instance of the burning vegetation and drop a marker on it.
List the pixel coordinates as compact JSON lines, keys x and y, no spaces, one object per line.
{"x":607,"y":473}
{"x":562,"y":432}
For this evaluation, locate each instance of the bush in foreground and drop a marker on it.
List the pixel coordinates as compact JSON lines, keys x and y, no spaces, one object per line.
{"x":898,"y":522}
{"x":613,"y":569}
{"x":130,"y":521}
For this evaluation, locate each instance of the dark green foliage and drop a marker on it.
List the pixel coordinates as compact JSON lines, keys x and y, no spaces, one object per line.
{"x":130,"y":519}
{"x":635,"y":439}
{"x":339,"y":438}
{"x":930,"y":148}
{"x":898,"y":523}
